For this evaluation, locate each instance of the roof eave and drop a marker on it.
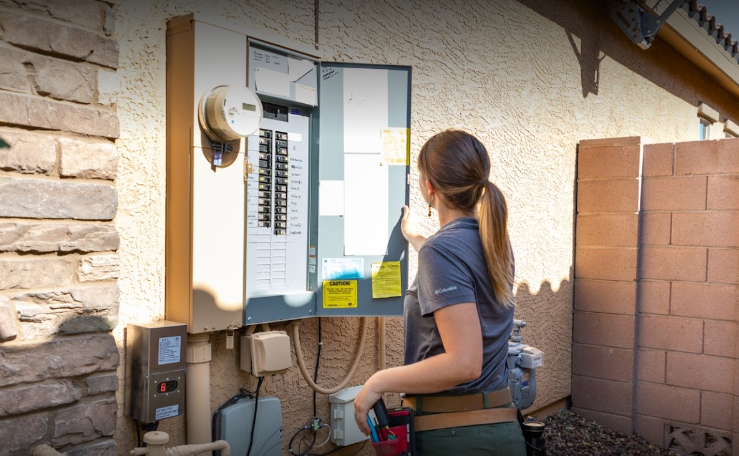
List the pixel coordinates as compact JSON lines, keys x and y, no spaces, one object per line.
{"x":693,"y":41}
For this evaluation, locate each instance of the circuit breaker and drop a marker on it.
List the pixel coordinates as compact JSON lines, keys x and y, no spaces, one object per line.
{"x":155,"y":371}
{"x":299,"y":217}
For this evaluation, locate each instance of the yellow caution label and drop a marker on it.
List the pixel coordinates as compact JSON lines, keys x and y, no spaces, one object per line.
{"x":386,"y":279}
{"x":338,"y":294}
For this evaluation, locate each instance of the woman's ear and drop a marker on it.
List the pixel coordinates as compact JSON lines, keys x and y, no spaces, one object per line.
{"x":429,"y":188}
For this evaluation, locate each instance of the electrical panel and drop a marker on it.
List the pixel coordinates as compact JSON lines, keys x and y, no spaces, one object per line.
{"x":301,"y":216}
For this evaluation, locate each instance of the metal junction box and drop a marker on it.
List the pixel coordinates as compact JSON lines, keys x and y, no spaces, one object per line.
{"x":155,"y":370}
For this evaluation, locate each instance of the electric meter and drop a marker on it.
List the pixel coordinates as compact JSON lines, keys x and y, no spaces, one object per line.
{"x":229,"y":113}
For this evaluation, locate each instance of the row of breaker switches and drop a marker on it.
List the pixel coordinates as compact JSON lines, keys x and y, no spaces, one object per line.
{"x":269,"y":177}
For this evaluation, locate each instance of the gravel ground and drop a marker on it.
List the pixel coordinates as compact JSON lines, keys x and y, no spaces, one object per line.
{"x":569,"y":434}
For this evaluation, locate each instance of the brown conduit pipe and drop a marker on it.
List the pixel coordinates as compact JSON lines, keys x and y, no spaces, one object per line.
{"x":381,"y":362}
{"x":355,"y":363}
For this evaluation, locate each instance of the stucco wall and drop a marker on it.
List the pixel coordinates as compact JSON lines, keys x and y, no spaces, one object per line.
{"x":530,"y":78}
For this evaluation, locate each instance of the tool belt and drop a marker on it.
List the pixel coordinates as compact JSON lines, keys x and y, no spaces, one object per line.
{"x":444,"y":412}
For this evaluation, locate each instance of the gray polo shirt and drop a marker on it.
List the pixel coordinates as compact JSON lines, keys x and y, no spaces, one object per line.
{"x":452,"y":270}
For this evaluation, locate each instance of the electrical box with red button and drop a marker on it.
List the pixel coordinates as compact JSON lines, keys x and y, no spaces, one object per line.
{"x":155,"y":370}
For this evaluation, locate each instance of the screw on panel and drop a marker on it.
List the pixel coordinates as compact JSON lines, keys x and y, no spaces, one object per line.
{"x":248,"y":319}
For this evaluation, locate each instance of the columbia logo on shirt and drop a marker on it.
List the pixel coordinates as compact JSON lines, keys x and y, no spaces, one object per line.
{"x":444,"y":290}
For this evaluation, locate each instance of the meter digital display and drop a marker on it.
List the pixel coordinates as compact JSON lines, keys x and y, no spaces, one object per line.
{"x":167,"y":387}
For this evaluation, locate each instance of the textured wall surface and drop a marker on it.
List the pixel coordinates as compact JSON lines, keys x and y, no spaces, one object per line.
{"x":530,"y":78}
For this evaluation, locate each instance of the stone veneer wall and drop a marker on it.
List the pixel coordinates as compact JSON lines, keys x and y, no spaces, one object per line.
{"x":657,"y":269}
{"x":58,"y":262}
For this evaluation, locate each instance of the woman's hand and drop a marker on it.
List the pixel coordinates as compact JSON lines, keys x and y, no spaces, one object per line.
{"x":409,"y":227}
{"x":364,"y":402}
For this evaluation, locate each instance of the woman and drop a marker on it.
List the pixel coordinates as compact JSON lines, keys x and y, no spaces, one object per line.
{"x":458,"y":312}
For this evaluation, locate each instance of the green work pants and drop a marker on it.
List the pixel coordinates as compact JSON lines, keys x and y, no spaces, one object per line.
{"x":500,"y":439}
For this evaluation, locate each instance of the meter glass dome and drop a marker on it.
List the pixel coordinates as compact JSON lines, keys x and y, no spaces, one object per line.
{"x":229,"y":113}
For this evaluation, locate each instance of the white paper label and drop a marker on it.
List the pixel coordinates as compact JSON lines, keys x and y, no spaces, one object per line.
{"x":169,"y":350}
{"x":167,"y":412}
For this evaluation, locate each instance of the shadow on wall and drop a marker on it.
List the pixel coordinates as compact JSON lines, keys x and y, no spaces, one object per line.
{"x":601,"y":37}
{"x":589,"y":57}
{"x":60,"y":392}
{"x":548,"y":314}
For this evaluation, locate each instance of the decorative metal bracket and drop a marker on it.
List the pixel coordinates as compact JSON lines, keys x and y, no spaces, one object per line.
{"x":640,"y":24}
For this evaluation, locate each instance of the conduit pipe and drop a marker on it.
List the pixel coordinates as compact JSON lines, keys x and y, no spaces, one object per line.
{"x":355,"y":363}
{"x":197,"y":393}
{"x":381,"y":362}
{"x":250,"y":329}
{"x":156,"y":440}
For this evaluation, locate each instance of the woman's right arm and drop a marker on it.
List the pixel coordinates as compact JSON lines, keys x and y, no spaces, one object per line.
{"x":409,"y":227}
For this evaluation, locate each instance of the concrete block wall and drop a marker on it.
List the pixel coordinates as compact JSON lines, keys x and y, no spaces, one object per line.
{"x":605,"y":287}
{"x":59,"y":268}
{"x":656,"y":291}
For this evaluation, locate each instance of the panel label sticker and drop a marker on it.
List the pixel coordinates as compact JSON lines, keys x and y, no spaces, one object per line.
{"x":167,"y":412}
{"x":342,"y":268}
{"x":339,"y":294}
{"x":386,"y":279}
{"x":169,"y":350}
{"x":396,"y":146}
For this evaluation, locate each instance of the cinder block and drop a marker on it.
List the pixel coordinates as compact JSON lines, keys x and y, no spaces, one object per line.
{"x":607,"y":330}
{"x":700,"y":371}
{"x":707,"y":157}
{"x":674,"y":263}
{"x":668,"y":402}
{"x":606,"y":263}
{"x":720,"y":338}
{"x":658,"y":160}
{"x":610,"y":142}
{"x":656,"y":228}
{"x":651,"y":428}
{"x":654,"y":297}
{"x":607,"y":230}
{"x":717,"y":410}
{"x":723,"y":266}
{"x":723,"y":193}
{"x":671,"y":333}
{"x":618,"y":423}
{"x":603,"y":362}
{"x":606,"y":296}
{"x":674,"y":193}
{"x":651,"y":365}
{"x":608,"y":162}
{"x":602,"y":395}
{"x":704,"y":300}
{"x":612,"y":195}
{"x":711,"y":229}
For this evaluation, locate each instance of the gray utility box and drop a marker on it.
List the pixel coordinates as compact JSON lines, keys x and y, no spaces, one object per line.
{"x":155,"y":370}
{"x":302,"y":217}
